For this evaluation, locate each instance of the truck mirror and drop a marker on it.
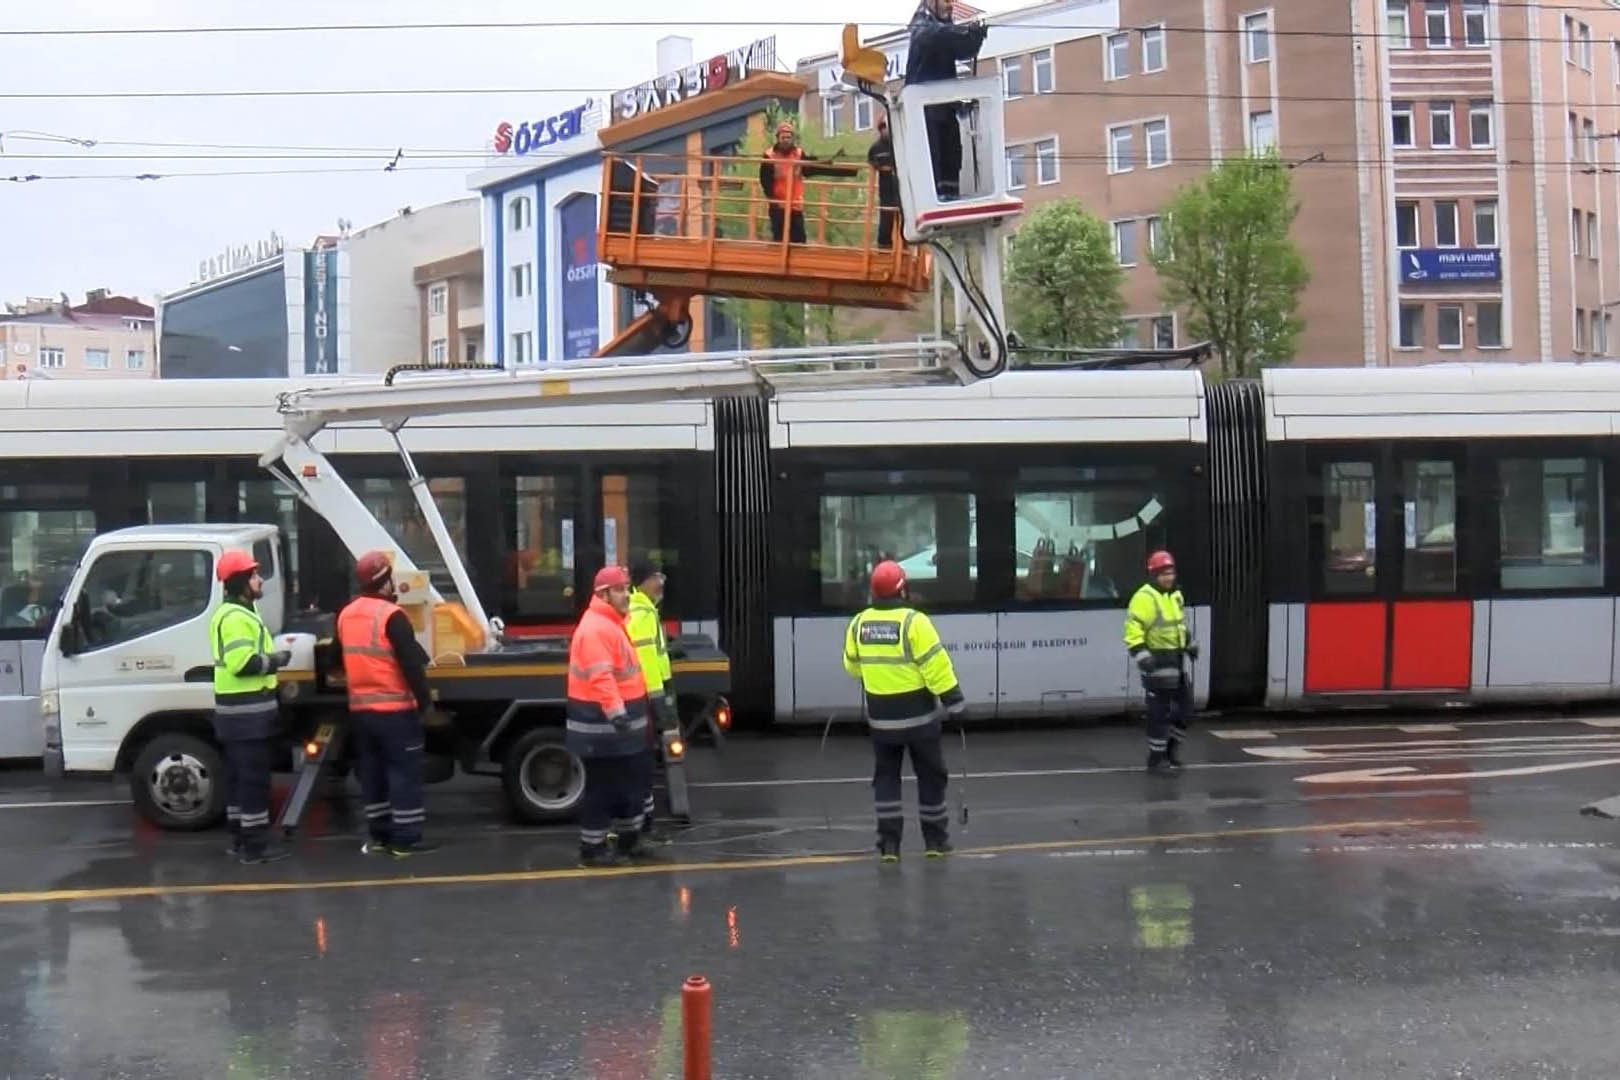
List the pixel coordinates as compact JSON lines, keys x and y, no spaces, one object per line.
{"x":69,"y":641}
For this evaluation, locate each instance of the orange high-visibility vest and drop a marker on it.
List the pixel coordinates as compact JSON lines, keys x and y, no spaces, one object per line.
{"x":602,"y":667}
{"x":376,"y":683}
{"x":789,"y":179}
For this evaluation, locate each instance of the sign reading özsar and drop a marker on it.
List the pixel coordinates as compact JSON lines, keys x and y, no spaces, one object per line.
{"x":690,"y":82}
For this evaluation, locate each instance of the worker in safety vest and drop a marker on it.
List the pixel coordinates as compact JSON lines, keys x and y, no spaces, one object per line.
{"x":607,"y":724}
{"x":880,"y":156}
{"x":937,"y":44}
{"x":782,"y":177}
{"x":386,"y":671}
{"x":1158,"y":639}
{"x":906,"y":677}
{"x":646,"y":630}
{"x":246,"y":714}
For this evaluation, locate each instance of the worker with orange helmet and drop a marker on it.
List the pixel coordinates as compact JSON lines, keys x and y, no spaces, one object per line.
{"x":607,"y":726}
{"x":1159,"y":640}
{"x":246,"y":715}
{"x":385,"y":669}
{"x":906,"y":678}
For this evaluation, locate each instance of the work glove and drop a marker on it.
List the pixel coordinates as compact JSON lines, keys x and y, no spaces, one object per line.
{"x":1192,"y":649}
{"x":620,"y":720}
{"x":1144,"y":661}
{"x":280,"y":659}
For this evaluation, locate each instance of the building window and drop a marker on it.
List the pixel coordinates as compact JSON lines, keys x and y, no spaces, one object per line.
{"x":96,"y":360}
{"x":1012,"y":76}
{"x":1591,"y":235}
{"x":1448,"y":325}
{"x":1440,"y":131}
{"x":1406,"y":224}
{"x":522,"y":280}
{"x":1600,"y":335}
{"x":1580,"y":329}
{"x":1152,"y":49}
{"x":1130,"y":335}
{"x":1041,"y":66}
{"x":1116,"y":56}
{"x":523,"y":347}
{"x":439,"y":352}
{"x":1155,"y":235}
{"x":1608,"y":332}
{"x":1156,"y":133}
{"x":1575,"y":232}
{"x":1614,"y":49}
{"x":1262,"y":132}
{"x":438,"y":299}
{"x":1121,"y":149}
{"x":134,"y":326}
{"x":522,"y":213}
{"x":1485,"y":223}
{"x":1125,"y":242}
{"x":1445,"y":223}
{"x":1437,"y":23}
{"x":1474,"y":23}
{"x":832,"y":113}
{"x":1396,"y":26}
{"x":51,"y":358}
{"x":1589,"y":141}
{"x":1411,"y":326}
{"x":135,"y":360}
{"x":863,"y":112}
{"x":1400,"y":123}
{"x":1488,"y":324}
{"x":1017,"y":158}
{"x":1164,"y":332}
{"x":1046,"y":161}
{"x":1257,"y":36}
{"x":1577,"y":43}
{"x":1480,"y":125}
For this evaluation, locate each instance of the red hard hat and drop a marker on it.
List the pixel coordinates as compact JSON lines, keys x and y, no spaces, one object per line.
{"x":372,"y":569}
{"x":235,"y":562}
{"x":610,"y":576}
{"x":1160,"y":560}
{"x":887,"y":579}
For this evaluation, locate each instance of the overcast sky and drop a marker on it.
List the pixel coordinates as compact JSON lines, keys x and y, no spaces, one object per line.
{"x":141,"y":237}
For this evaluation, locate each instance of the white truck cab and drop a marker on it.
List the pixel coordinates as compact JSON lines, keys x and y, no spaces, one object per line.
{"x":127,"y":679}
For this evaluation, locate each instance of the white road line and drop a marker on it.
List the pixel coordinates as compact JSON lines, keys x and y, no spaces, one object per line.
{"x":1330,"y":728}
{"x":48,"y":805}
{"x":1605,"y":722}
{"x":1239,"y":735}
{"x":1404,"y":774}
{"x":1319,"y":751}
{"x":1425,"y":729}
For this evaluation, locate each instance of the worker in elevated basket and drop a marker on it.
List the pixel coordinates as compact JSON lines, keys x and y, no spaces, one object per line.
{"x":1158,"y":639}
{"x":607,"y":724}
{"x":938,"y":43}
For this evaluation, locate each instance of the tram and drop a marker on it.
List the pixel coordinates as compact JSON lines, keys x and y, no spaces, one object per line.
{"x":1428,"y":535}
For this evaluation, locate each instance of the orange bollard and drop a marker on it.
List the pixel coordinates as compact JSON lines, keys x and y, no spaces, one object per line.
{"x":695,"y":1027}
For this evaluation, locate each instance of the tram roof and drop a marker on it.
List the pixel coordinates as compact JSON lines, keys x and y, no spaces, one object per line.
{"x":1443,"y":401}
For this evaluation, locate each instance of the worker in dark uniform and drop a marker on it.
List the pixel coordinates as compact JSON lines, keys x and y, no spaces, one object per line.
{"x":246,"y":714}
{"x":906,"y":677}
{"x":646,"y":630}
{"x":880,"y":155}
{"x":1158,"y":639}
{"x":607,"y":724}
{"x":938,"y":43}
{"x":386,"y":672}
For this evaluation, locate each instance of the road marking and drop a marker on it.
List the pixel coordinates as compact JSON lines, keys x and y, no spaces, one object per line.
{"x":1330,"y":728}
{"x":1424,"y":729}
{"x":133,"y":892}
{"x":47,"y":805}
{"x":1239,"y":735}
{"x":1405,"y":773}
{"x":1608,"y":722}
{"x":1320,"y":751}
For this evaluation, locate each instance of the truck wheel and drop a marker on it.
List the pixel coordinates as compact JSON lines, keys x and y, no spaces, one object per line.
{"x":543,"y":781}
{"x":179,"y":783}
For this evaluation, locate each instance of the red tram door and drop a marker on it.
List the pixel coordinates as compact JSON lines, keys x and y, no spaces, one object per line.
{"x":1388,"y":608}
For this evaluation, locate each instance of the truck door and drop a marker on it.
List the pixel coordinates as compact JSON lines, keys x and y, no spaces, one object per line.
{"x":136,"y":642}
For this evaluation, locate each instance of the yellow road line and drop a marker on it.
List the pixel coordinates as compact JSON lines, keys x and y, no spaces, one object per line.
{"x":133,"y":892}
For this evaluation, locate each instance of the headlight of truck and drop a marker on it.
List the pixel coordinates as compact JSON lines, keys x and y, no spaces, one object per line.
{"x":49,"y":703}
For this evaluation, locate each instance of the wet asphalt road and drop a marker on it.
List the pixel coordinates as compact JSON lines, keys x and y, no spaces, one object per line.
{"x":1278,"y":911}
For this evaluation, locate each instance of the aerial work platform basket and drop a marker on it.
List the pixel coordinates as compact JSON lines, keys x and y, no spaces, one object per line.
{"x":704,"y":226}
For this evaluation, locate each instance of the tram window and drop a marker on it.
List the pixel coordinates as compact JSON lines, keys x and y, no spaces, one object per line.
{"x":932,"y":535}
{"x":632,"y":516}
{"x":176,"y":502}
{"x":391,"y":501}
{"x":1551,"y":523}
{"x":1430,"y":565}
{"x":539,"y":547}
{"x":129,"y":594}
{"x":1084,"y":534}
{"x":266,"y":502}
{"x":1349,"y":524}
{"x":39,"y":550}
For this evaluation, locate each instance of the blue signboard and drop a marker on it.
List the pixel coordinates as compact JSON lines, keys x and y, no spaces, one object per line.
{"x":1424,"y":265}
{"x":320,"y":312}
{"x":577,"y":230}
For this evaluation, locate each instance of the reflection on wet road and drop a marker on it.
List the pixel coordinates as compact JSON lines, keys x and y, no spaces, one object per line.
{"x":1240,"y":921}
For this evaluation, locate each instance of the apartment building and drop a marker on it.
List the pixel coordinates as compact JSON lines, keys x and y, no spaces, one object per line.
{"x":106,"y":337}
{"x":1455,"y":160}
{"x":451,"y":308}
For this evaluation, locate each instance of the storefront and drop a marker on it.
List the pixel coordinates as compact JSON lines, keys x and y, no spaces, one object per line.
{"x":547,"y":300}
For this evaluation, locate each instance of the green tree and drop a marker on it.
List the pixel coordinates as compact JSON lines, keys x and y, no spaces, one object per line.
{"x":1228,"y":261}
{"x":1063,"y":278}
{"x":783,"y":324}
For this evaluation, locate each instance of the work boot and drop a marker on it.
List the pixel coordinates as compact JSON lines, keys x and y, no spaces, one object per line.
{"x":234,"y":848}
{"x":938,"y":849}
{"x":657,"y":833}
{"x":259,"y":856}
{"x":1172,"y":753}
{"x":1159,"y":764}
{"x":375,"y":846}
{"x":415,"y":847}
{"x":601,"y":858}
{"x":888,"y":851}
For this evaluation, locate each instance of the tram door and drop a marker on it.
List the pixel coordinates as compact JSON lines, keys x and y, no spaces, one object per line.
{"x":1388,"y":605}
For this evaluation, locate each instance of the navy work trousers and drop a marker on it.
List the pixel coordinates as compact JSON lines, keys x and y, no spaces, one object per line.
{"x":247,"y":793}
{"x":1168,"y":713}
{"x":390,"y":746}
{"x":928,"y":762}
{"x":615,"y":793}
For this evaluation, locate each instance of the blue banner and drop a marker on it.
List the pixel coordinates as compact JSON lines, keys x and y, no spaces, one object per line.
{"x":1423,"y":265}
{"x":577,"y":229}
{"x":320,"y":312}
